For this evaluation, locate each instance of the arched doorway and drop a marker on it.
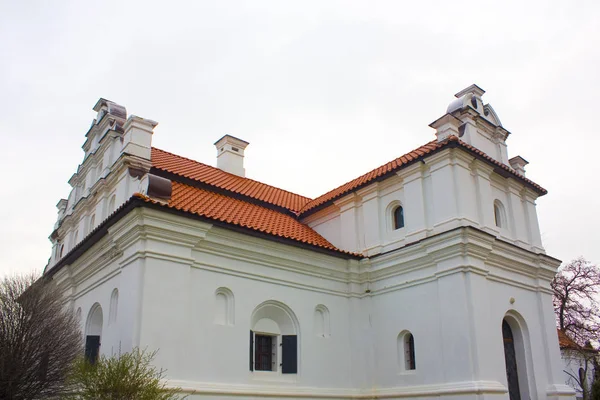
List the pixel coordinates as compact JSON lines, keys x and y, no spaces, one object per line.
{"x":93,"y":333}
{"x":517,"y":357}
{"x":510,"y":358}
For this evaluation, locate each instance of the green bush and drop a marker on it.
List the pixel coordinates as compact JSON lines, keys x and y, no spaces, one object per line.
{"x":128,"y":376}
{"x":596,"y":390}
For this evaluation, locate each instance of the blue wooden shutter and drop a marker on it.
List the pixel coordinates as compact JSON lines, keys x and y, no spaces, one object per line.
{"x":251,"y":352}
{"x":289,"y":354}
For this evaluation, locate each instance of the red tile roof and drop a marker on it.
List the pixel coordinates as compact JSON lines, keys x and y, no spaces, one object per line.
{"x":202,"y":200}
{"x":401,"y":162}
{"x":240,"y":213}
{"x":565,"y":342}
{"x":220,"y":179}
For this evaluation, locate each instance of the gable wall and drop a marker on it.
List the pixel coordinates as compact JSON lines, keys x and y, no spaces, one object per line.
{"x":447,"y":190}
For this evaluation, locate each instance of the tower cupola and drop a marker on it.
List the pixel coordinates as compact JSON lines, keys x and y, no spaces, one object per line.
{"x":475,"y":123}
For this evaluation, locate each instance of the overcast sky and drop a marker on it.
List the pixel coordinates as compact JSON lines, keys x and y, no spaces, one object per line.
{"x":324,"y":91}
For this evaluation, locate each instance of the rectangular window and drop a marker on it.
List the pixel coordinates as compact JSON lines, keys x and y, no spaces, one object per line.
{"x":263,"y":353}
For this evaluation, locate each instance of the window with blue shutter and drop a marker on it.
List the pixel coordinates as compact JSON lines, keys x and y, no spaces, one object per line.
{"x":289,"y":354}
{"x":251,"y":352}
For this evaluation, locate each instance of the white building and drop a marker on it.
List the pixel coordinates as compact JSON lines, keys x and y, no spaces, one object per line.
{"x":413,"y":280}
{"x":578,"y":364}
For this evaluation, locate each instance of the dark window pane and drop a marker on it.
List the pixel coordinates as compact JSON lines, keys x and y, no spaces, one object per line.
{"x":92,"y":348}
{"x":399,"y":218}
{"x":411,"y":347}
{"x":263,"y":352}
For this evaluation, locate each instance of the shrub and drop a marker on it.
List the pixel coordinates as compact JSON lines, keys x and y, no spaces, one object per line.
{"x":128,"y":376}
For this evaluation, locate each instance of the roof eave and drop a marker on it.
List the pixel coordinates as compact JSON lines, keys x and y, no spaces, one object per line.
{"x":135,"y":202}
{"x":450,"y":143}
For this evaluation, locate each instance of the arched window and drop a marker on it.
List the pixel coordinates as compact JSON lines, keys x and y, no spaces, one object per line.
{"x":398,"y":217}
{"x":114,"y":302}
{"x":92,"y":222}
{"x":409,"y":351}
{"x":406,"y":351}
{"x":225,"y":307}
{"x":322,"y":325}
{"x":499,"y":214}
{"x":274,"y":339}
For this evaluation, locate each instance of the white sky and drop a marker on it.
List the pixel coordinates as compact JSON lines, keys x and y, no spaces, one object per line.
{"x":323,"y":90}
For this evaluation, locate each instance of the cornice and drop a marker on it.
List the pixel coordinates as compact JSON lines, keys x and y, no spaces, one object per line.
{"x":351,"y":200}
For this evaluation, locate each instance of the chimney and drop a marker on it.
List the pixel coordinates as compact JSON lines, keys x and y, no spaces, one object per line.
{"x":137,"y":139}
{"x":518,"y":163}
{"x":446,"y":126}
{"x":230,"y":155}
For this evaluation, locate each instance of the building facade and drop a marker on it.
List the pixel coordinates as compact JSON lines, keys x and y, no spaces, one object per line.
{"x":425,"y":277}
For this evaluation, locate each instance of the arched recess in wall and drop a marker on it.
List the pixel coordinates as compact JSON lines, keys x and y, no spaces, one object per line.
{"x":224,"y":307}
{"x":114,"y":304}
{"x":112,"y":204}
{"x":78,"y":315}
{"x":321,"y":321}
{"x":93,"y":333}
{"x":500,"y":214}
{"x":405,"y":347}
{"x":274,"y":331}
{"x":517,"y":356}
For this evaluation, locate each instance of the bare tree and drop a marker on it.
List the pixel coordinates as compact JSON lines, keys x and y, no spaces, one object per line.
{"x":576,"y":288}
{"x":39,"y":339}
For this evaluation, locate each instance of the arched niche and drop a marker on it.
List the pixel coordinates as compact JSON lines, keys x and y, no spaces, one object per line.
{"x":94,"y":321}
{"x":517,"y":356}
{"x":500,"y":215}
{"x":112,"y":204}
{"x":321,"y":321}
{"x":274,"y":331}
{"x":274,"y":317}
{"x":114,"y":304}
{"x":78,"y":315}
{"x":93,"y":333}
{"x":224,"y":307}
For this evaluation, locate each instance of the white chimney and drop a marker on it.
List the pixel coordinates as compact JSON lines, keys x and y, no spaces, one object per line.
{"x":230,"y":155}
{"x":518,"y":163}
{"x":137,"y":139}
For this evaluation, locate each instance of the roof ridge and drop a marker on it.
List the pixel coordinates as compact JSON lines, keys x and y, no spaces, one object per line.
{"x":228,"y":173}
